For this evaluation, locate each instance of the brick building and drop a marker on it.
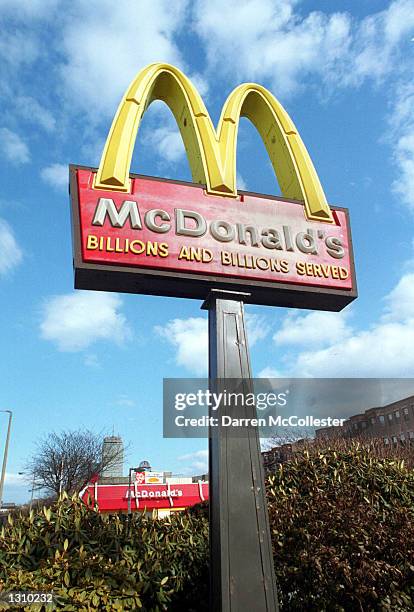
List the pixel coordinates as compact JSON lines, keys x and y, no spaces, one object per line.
{"x":280,"y":454}
{"x":393,"y":423}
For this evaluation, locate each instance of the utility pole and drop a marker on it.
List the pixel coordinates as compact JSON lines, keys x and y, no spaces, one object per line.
{"x":32,"y":491}
{"x":129,"y":492}
{"x":6,"y":451}
{"x":61,"y":476}
{"x":131,"y":469}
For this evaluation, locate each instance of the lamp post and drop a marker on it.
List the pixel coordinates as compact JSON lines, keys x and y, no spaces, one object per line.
{"x":131,"y":469}
{"x":6,"y":450}
{"x":32,"y":490}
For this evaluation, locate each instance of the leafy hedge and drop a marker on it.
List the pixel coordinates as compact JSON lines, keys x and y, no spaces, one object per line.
{"x":99,"y":562}
{"x":342,"y":524}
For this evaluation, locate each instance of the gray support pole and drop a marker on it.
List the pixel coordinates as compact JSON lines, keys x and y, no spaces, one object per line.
{"x":32,"y":495}
{"x":129,"y":494}
{"x":6,"y":451}
{"x":241,"y":560}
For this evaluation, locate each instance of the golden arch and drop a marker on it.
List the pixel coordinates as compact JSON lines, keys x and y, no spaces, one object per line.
{"x":212,"y":153}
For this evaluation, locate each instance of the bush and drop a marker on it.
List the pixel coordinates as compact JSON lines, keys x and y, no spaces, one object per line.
{"x":343,"y":531}
{"x":342,"y":522}
{"x":99,"y":562}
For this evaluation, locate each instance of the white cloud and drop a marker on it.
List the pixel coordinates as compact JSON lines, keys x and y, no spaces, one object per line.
{"x":56,"y":175}
{"x":404,"y":185}
{"x":201,"y":84}
{"x":76,"y":320}
{"x":283,"y":46}
{"x":270,"y":372}
{"x":241,"y":183}
{"x":13,"y":147}
{"x":257,"y":328}
{"x":31,"y":110}
{"x":289,"y":49}
{"x":398,"y":20}
{"x":91,"y":360}
{"x":380,"y":36}
{"x":10,"y":252}
{"x":402,"y":137}
{"x":22,"y":9}
{"x":18,"y":48}
{"x":400,"y":301}
{"x":168,"y":143}
{"x":385,"y":349}
{"x":275,"y":43}
{"x":104,"y":45}
{"x":93,"y":147}
{"x":190,"y":339}
{"x":315,"y":328}
{"x":126,"y":402}
{"x":162,"y":134}
{"x":197,"y":462}
{"x":13,"y":479}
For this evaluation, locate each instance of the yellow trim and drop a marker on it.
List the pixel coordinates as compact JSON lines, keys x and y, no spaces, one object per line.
{"x":212,"y":154}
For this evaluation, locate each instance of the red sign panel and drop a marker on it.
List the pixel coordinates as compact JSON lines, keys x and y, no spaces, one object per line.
{"x":170,"y":238}
{"x":114,"y":498}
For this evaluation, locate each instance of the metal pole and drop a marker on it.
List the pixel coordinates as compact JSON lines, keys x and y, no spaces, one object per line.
{"x":31,"y":497}
{"x":6,"y":450}
{"x":61,"y":477}
{"x":241,"y":561}
{"x":129,"y":493}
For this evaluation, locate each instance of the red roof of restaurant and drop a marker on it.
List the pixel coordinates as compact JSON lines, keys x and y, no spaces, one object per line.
{"x":114,"y":497}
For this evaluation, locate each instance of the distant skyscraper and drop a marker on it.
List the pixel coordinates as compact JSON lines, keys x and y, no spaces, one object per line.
{"x":113,"y":456}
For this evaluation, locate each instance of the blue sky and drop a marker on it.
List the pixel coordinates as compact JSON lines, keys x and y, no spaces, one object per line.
{"x":97,"y":360}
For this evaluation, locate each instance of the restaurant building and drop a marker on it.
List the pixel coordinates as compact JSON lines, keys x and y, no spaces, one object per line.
{"x":151,"y":492}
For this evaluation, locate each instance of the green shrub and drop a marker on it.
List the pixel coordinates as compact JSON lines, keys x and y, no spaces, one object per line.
{"x":99,"y":562}
{"x":343,"y":531}
{"x":342,"y":522}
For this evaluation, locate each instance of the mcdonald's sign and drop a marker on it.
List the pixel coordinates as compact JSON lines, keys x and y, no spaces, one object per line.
{"x":140,"y":234}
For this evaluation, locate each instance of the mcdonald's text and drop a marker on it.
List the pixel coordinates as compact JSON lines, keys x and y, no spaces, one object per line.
{"x":175,"y":239}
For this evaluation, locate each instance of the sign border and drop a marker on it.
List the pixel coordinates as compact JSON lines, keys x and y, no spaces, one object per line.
{"x":128,"y":279}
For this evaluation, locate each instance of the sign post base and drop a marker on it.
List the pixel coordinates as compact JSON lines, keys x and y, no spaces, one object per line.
{"x":241,"y":561}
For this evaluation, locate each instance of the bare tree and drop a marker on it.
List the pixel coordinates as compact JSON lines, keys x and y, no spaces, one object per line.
{"x":66,"y":461}
{"x":287,"y":435}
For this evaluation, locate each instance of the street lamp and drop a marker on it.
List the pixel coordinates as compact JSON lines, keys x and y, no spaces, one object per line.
{"x":33,"y":489}
{"x":6,"y":450}
{"x":131,"y":469}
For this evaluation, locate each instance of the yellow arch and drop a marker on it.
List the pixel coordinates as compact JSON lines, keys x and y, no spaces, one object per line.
{"x":211,"y":154}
